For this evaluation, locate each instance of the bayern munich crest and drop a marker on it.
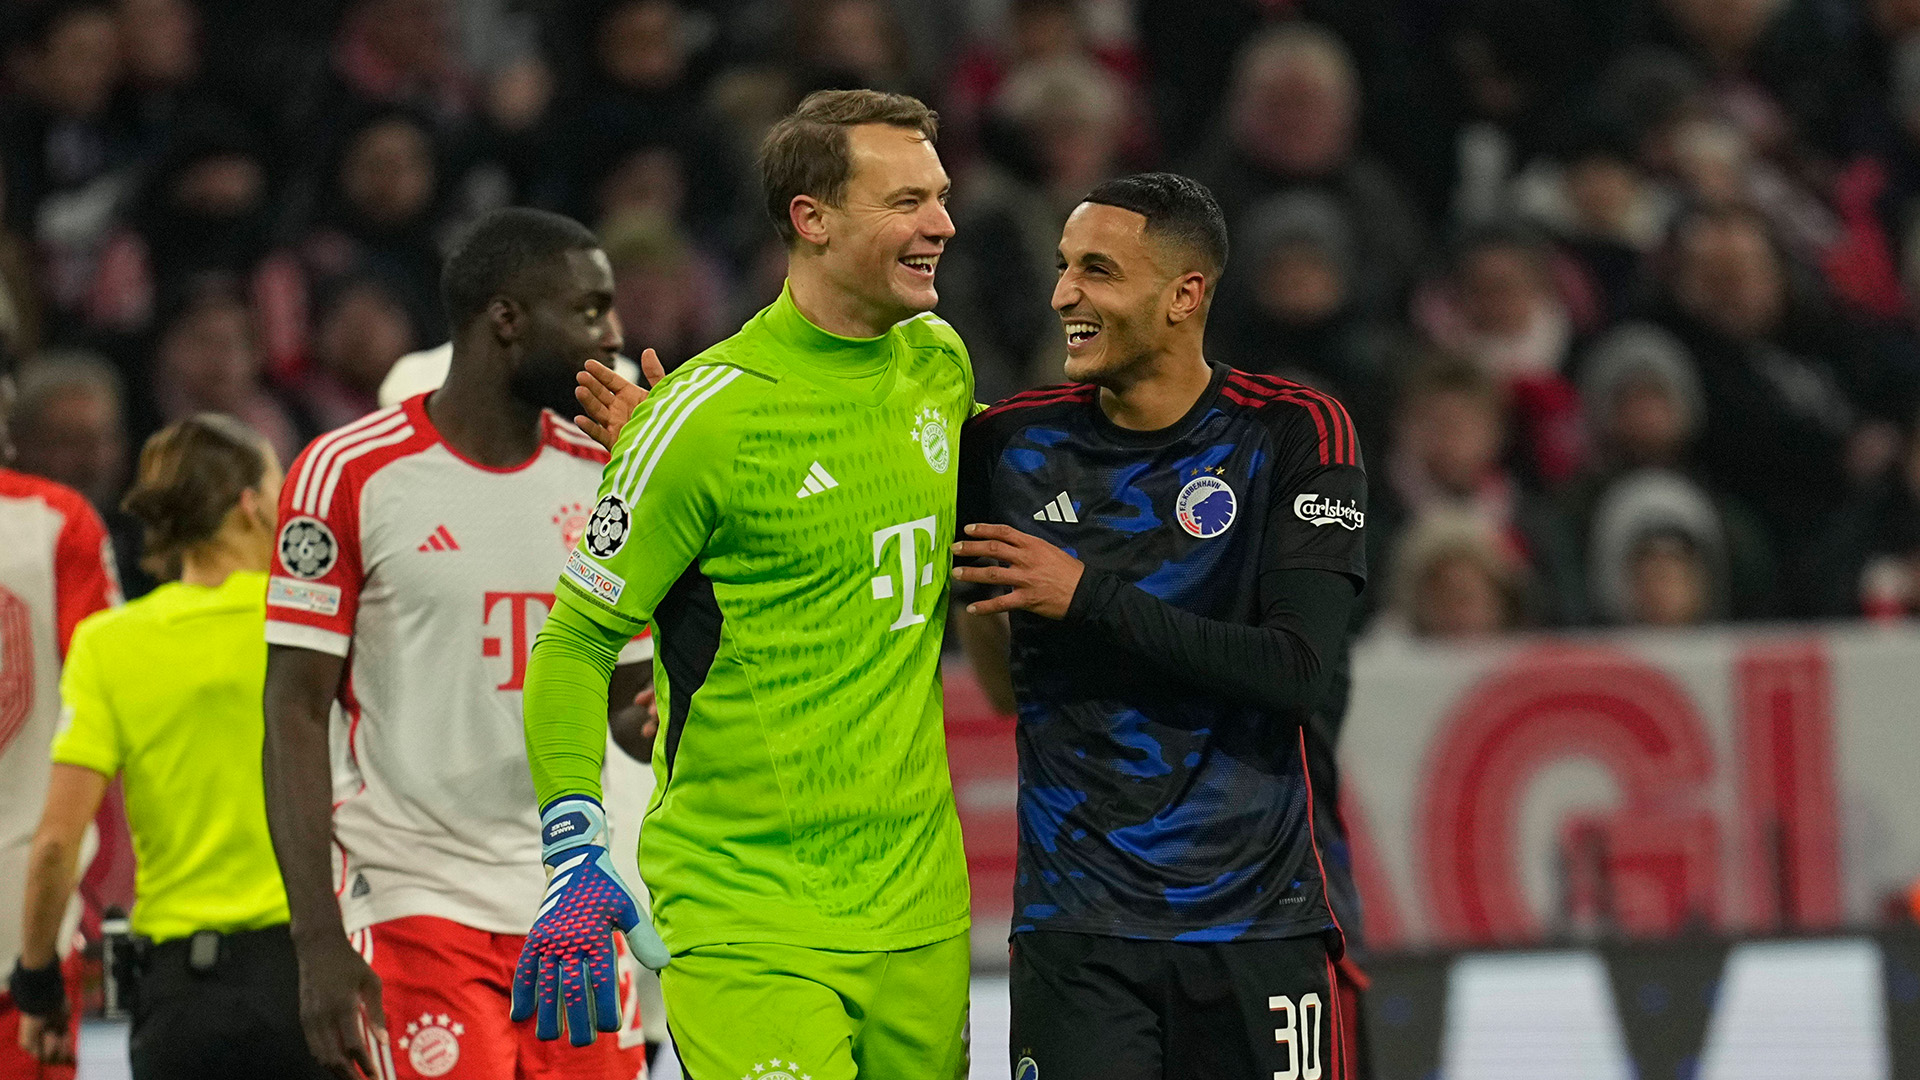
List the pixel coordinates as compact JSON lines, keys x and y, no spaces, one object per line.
{"x":1205,"y":507}
{"x":307,"y":548}
{"x":930,"y":432}
{"x":432,"y":1044}
{"x":607,"y":529}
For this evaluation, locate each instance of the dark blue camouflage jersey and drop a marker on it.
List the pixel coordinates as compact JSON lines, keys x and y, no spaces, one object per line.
{"x":1148,"y":807}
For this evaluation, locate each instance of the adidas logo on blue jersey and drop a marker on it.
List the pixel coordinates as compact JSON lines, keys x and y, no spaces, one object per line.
{"x":1060,"y":509}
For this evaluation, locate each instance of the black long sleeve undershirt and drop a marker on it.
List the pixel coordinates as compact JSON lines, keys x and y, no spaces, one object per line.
{"x":1277,"y":665}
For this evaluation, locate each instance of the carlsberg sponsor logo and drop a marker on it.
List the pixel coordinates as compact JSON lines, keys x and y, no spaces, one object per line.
{"x":1309,"y":508}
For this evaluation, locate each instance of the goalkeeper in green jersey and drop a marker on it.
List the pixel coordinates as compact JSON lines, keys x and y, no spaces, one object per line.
{"x":780,"y":510}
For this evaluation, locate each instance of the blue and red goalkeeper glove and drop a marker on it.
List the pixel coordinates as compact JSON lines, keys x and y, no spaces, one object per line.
{"x":569,"y":954}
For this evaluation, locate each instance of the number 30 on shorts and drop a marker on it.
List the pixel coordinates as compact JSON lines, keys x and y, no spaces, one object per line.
{"x":1299,"y":1032}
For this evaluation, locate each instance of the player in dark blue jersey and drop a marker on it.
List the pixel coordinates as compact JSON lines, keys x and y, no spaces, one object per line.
{"x":1180,"y":548}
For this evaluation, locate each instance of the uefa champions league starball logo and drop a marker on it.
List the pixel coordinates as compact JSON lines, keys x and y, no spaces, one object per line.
{"x":1205,"y":507}
{"x":930,"y":431}
{"x":608,"y":527}
{"x":307,"y":548}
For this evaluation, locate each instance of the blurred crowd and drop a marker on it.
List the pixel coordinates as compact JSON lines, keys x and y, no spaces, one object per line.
{"x":1624,"y":297}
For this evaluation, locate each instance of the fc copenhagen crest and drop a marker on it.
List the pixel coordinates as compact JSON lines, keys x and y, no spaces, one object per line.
{"x":930,"y":431}
{"x":607,"y":529}
{"x":1205,"y":507}
{"x":307,"y":548}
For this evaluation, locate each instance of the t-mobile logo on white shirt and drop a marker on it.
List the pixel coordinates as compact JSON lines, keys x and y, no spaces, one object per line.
{"x":913,"y":574}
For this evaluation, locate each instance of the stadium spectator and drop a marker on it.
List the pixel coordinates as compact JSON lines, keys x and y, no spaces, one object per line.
{"x":1455,"y":580}
{"x":205,"y":212}
{"x":1445,"y":455}
{"x":66,"y":143}
{"x":167,"y":85}
{"x":1783,"y":377}
{"x":1657,"y":555}
{"x":1036,"y":32}
{"x":1515,"y":73}
{"x":69,"y":423}
{"x":1054,"y":133}
{"x":165,"y":695}
{"x":666,"y":292}
{"x":1866,"y":560}
{"x":1500,"y":306}
{"x":1644,"y":410}
{"x":1773,"y":67}
{"x":639,"y":118}
{"x":1716,"y":165}
{"x":399,"y":53}
{"x":361,"y":330}
{"x":843,"y":44}
{"x":1605,"y":213}
{"x":208,"y":360}
{"x":381,"y":211}
{"x":1291,"y":123}
{"x":1288,"y":309}
{"x":22,"y":321}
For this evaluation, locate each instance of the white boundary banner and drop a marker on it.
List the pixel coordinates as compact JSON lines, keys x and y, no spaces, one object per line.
{"x":1744,"y":781}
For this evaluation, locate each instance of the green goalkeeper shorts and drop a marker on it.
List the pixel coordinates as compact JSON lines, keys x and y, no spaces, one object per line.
{"x":784,"y":1012}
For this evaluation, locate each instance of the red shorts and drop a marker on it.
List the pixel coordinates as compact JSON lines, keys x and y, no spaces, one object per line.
{"x":14,"y":1062}
{"x":447,"y":988}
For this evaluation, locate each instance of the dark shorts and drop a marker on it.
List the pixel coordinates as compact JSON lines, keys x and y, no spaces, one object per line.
{"x":237,"y":1019}
{"x":1086,"y":1006}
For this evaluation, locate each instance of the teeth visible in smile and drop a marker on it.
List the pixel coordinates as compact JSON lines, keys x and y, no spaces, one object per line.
{"x":923,"y":264}
{"x":1078,"y":332}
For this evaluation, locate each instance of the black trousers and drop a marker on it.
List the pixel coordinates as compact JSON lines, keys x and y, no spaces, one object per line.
{"x":1087,"y":1007}
{"x":238,"y":1018}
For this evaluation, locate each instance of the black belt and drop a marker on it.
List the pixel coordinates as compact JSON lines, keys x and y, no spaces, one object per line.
{"x":206,"y":952}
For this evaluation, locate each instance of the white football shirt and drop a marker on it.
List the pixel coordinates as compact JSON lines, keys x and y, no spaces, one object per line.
{"x":431,"y":574}
{"x":56,"y":568}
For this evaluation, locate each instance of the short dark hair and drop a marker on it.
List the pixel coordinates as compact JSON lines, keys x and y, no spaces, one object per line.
{"x":498,"y":249}
{"x":1178,"y":209}
{"x":806,"y":152}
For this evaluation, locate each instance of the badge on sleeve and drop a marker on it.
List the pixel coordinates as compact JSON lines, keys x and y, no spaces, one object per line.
{"x":307,"y":548}
{"x":607,"y":529}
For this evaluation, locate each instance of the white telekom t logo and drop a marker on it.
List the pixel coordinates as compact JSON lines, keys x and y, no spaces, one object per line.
{"x":912,"y":575}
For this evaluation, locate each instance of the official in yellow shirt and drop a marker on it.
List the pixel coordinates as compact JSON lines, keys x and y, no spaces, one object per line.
{"x":166,"y":694}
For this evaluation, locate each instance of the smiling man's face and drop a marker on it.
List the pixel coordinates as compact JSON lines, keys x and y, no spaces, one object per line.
{"x":1112,"y":294}
{"x":886,"y":237}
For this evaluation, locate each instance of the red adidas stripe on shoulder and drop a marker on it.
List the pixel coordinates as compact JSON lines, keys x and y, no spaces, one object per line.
{"x":564,"y":437}
{"x":1339,"y":444}
{"x":1046,"y":395}
{"x":1331,"y":446}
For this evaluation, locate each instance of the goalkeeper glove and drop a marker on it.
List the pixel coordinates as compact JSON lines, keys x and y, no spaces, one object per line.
{"x":569,"y":953}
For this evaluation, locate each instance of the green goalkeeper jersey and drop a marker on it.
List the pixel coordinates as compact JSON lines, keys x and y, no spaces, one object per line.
{"x":780,"y":511}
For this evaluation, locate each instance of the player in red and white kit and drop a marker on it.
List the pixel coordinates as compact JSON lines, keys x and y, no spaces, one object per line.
{"x":418,"y":550}
{"x":56,"y":568}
